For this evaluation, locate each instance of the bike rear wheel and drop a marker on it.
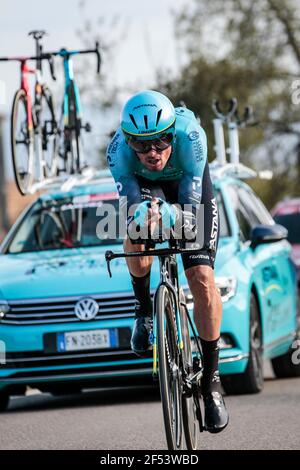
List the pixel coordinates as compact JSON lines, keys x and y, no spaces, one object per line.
{"x":74,"y":143}
{"x":22,"y":143}
{"x":48,"y":135}
{"x":169,"y":370}
{"x":189,"y":410}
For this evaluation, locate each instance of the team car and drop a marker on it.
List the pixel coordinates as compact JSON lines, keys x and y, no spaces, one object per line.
{"x":287,"y":213}
{"x":65,"y":325}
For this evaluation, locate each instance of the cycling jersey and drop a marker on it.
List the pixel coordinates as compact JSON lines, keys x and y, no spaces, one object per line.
{"x":184,"y":180}
{"x":186,"y":163}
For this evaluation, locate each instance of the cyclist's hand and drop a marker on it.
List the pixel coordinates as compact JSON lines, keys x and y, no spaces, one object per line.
{"x":153,"y":215}
{"x":147,"y":213}
{"x":150,"y":213}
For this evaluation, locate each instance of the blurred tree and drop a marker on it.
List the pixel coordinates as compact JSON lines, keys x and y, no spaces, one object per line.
{"x":250,"y":50}
{"x":100,"y":89}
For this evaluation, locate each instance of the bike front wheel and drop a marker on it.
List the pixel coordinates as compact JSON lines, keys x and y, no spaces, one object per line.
{"x":169,"y":370}
{"x":22,"y":142}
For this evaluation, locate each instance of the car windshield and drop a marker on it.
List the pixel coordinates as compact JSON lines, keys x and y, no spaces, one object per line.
{"x":77,"y":222}
{"x":74,"y":222}
{"x":292,"y":223}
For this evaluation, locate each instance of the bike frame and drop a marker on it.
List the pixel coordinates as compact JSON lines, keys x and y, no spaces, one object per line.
{"x":69,"y":78}
{"x":66,"y":55}
{"x":25,"y":70}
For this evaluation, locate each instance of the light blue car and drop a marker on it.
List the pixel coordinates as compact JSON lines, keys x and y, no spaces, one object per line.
{"x":66,"y":325}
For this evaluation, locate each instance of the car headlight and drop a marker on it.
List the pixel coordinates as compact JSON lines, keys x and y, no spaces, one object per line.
{"x":227,"y":287}
{"x":4,"y":308}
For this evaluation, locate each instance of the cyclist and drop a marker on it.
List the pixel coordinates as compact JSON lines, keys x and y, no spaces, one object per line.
{"x":159,"y":154}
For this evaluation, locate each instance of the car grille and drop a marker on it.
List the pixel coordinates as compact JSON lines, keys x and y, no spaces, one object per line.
{"x":120,"y":357}
{"x":61,"y":310}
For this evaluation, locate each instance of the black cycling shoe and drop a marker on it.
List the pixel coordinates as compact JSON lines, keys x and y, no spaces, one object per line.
{"x":216,"y":415}
{"x":140,"y":339}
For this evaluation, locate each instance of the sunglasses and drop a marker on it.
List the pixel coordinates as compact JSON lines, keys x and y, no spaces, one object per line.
{"x":144,"y":146}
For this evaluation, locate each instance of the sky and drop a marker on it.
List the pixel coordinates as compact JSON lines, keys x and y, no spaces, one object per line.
{"x":148,"y":41}
{"x":146,"y":29}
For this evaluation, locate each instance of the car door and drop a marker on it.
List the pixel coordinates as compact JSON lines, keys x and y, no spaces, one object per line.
{"x":259,"y":261}
{"x":274,"y":270}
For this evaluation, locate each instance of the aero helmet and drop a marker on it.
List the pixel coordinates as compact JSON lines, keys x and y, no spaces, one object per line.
{"x":148,"y":115}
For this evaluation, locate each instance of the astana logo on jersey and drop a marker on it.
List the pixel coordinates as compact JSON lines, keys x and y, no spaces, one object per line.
{"x":214,"y":228}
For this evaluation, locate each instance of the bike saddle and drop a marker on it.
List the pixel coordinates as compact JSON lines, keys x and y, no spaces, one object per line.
{"x":37,"y":34}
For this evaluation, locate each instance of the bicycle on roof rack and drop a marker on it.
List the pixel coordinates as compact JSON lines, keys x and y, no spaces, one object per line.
{"x":179,"y":370}
{"x":232,"y":119}
{"x":33,"y":123}
{"x":34,"y":128}
{"x":71,"y":121}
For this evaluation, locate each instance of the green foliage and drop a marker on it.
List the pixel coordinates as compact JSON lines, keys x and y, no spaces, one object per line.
{"x":250,"y":50}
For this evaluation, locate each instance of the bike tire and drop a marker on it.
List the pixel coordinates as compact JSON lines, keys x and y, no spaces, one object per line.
{"x":49,"y":134}
{"x":189,"y":411}
{"x":168,"y":357}
{"x":22,"y":142}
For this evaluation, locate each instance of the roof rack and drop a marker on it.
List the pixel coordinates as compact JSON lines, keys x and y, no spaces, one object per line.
{"x":65,"y":183}
{"x":220,"y":166}
{"x":230,"y":169}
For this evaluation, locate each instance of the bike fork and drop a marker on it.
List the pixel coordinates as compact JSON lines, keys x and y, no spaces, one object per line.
{"x":154,"y":344}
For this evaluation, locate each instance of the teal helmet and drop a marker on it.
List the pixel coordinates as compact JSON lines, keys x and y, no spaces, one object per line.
{"x":148,"y":115}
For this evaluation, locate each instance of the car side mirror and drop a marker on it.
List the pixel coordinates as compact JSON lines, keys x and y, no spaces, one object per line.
{"x":267,"y":234}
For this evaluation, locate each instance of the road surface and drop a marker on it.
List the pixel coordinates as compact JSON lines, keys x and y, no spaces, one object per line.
{"x":132,"y":419}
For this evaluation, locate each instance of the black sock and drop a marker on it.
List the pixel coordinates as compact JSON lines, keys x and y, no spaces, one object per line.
{"x":211,"y":378}
{"x":141,"y":288}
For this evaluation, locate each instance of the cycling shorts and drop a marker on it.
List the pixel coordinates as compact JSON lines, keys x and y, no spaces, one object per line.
{"x":168,"y":191}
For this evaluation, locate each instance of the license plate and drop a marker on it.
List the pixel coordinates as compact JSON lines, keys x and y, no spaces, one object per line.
{"x":89,"y":339}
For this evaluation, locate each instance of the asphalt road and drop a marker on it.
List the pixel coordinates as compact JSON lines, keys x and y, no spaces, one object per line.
{"x":132,"y":419}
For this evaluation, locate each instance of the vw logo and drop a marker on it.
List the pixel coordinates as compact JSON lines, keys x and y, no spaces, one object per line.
{"x":86,"y":309}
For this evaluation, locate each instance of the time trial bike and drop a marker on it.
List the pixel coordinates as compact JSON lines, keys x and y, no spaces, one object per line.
{"x":176,"y":360}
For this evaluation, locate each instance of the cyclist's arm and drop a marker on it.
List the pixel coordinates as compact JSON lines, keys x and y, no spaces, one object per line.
{"x":192,"y":157}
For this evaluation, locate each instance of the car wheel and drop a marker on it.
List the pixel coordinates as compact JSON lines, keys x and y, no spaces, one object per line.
{"x":288,"y":365}
{"x":4,"y":400}
{"x":252,"y":380}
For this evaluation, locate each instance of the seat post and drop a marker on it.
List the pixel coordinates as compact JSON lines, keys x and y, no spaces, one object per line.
{"x":37,"y":36}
